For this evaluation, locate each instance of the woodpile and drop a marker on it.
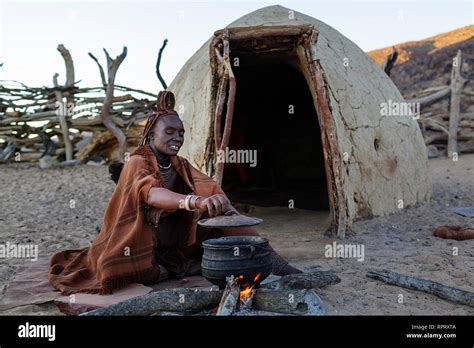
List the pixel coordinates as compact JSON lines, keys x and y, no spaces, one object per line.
{"x":72,"y":122}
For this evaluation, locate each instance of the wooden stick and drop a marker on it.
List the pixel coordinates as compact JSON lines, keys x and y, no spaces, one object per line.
{"x":428,"y":286}
{"x":169,"y":300}
{"x":69,"y":65}
{"x":230,"y":107}
{"x":317,"y":279}
{"x":390,"y":61}
{"x":101,"y":70}
{"x":158,"y":62}
{"x":430,"y":99}
{"x":219,"y":109}
{"x":457,"y":83}
{"x":62,"y":120}
{"x":231,"y":297}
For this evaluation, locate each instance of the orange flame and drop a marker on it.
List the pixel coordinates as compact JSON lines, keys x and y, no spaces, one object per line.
{"x":247,"y":290}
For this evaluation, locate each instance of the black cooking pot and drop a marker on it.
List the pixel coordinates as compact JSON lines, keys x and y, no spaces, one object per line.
{"x":235,"y":256}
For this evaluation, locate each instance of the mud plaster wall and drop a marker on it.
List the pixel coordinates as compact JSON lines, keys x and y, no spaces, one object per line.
{"x":373,"y":180}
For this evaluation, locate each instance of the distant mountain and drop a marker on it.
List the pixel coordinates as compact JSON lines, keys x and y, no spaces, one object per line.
{"x":427,"y":63}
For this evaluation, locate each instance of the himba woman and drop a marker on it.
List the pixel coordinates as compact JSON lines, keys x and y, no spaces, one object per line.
{"x":150,"y":224}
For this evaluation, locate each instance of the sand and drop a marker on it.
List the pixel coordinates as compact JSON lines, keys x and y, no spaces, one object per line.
{"x":62,"y":208}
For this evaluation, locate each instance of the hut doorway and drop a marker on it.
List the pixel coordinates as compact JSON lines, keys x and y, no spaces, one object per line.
{"x":275,"y":139}
{"x":276,"y":134}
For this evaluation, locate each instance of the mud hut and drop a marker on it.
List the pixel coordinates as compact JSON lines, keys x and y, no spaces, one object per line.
{"x":309,"y":101}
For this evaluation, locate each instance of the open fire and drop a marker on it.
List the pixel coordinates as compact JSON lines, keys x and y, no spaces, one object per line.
{"x":246,"y":289}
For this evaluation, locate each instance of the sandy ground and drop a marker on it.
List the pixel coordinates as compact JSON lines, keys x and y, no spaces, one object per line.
{"x":61,"y":208}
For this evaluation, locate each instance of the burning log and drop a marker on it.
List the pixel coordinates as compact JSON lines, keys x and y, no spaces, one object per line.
{"x":299,"y":302}
{"x":230,"y":299}
{"x":317,"y":279}
{"x":170,"y":300}
{"x":428,"y":286}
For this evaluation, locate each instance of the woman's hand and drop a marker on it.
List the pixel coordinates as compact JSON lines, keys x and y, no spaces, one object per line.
{"x":215,"y":205}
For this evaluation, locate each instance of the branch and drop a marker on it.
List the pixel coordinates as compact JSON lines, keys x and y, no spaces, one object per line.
{"x":158,"y":62}
{"x":101,"y":70}
{"x":428,"y":286}
{"x":390,"y":61}
{"x":112,"y":67}
{"x":69,"y":65}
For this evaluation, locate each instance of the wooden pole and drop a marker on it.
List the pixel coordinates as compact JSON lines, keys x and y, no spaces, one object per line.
{"x":62,"y":119}
{"x":457,"y":83}
{"x":230,"y":107}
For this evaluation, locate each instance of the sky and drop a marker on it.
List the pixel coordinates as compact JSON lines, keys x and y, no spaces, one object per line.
{"x":30,"y":32}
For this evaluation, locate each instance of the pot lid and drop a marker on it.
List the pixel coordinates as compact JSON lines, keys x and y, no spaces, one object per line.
{"x":232,"y":219}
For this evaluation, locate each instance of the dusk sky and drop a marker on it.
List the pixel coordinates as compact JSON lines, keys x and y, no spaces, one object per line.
{"x":31,"y":30}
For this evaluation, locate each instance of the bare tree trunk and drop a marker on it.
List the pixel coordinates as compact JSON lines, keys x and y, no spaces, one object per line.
{"x":457,"y":83}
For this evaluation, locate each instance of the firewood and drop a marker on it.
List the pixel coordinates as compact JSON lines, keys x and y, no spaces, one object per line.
{"x":231,"y":297}
{"x":169,"y":300}
{"x":317,"y":279}
{"x":445,"y":292}
{"x":299,"y":302}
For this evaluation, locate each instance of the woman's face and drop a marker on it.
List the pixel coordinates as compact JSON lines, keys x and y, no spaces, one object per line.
{"x":168,"y":135}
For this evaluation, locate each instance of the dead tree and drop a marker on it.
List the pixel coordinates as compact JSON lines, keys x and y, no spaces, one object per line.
{"x":390,"y":61}
{"x":158,"y":62}
{"x":112,"y":67}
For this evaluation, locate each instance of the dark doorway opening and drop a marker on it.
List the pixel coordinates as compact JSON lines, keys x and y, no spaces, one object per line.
{"x":276,"y":125}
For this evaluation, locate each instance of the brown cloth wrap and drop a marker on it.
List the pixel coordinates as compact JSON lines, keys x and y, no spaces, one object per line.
{"x":123,"y":251}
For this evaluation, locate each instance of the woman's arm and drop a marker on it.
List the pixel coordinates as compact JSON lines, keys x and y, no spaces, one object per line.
{"x":165,"y":199}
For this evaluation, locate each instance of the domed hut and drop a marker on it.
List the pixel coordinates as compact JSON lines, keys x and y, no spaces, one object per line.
{"x":284,"y":110}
